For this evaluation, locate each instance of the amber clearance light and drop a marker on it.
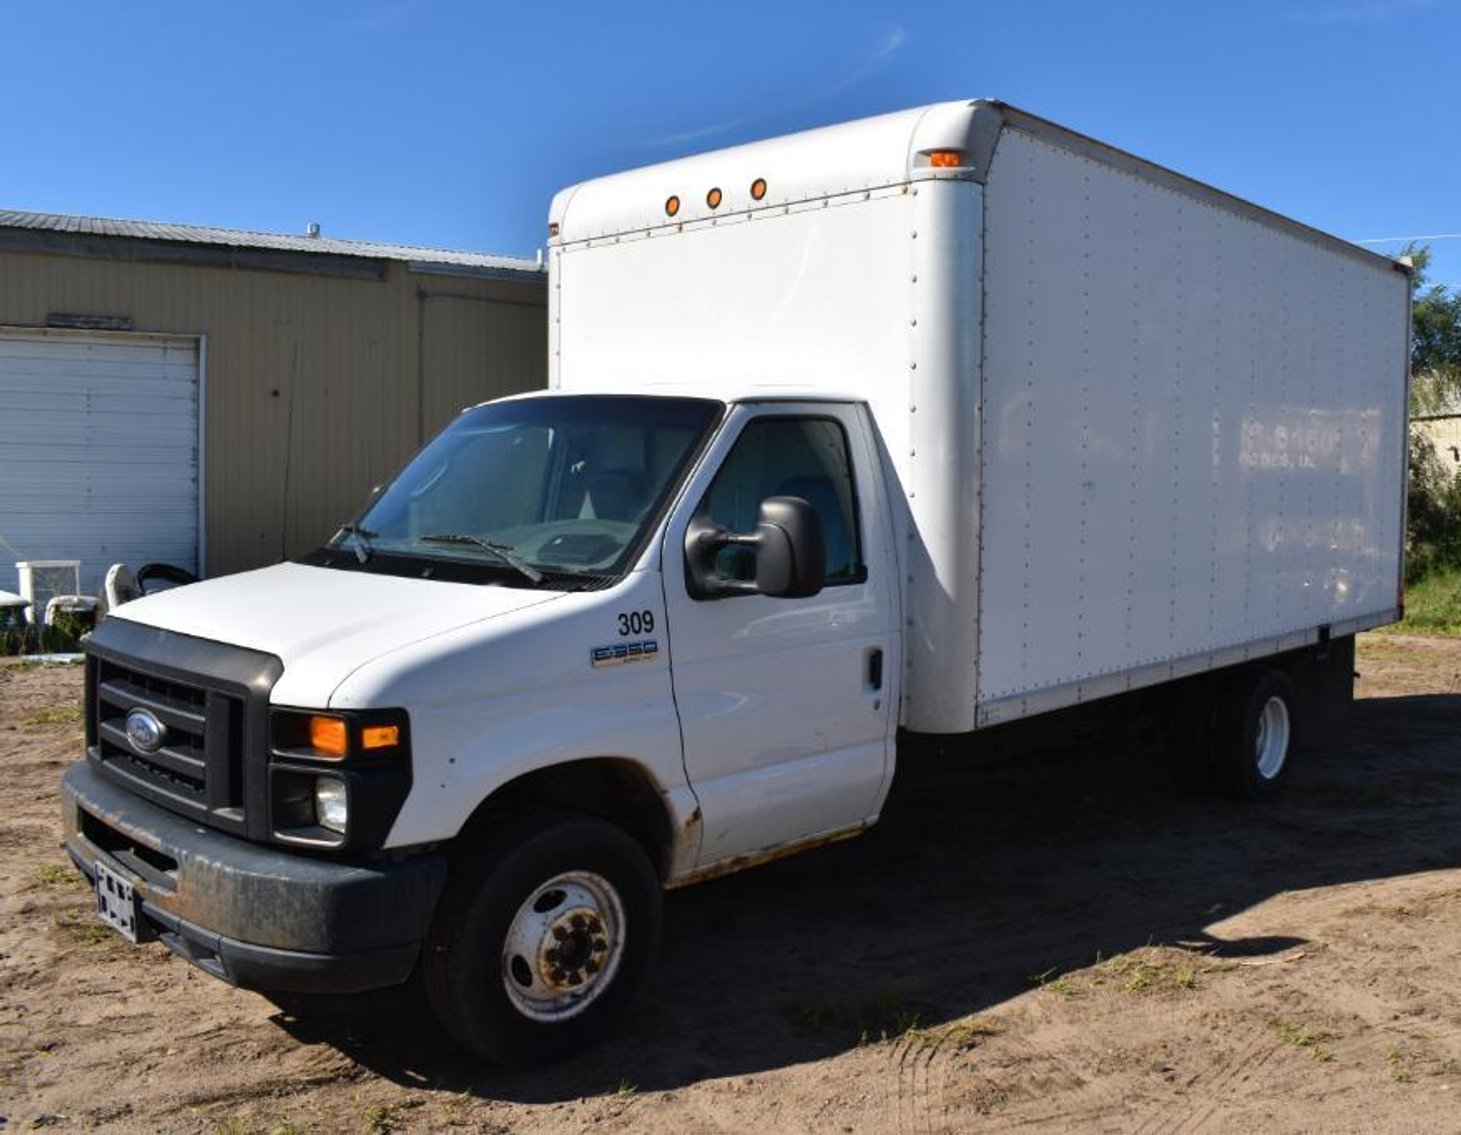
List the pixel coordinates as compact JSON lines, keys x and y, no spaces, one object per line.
{"x":946,"y":159}
{"x":328,"y":737}
{"x":380,"y":736}
{"x":672,"y":206}
{"x":758,"y":189}
{"x":713,"y":198}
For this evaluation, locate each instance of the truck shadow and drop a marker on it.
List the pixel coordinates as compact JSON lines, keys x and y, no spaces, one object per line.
{"x":985,"y":875}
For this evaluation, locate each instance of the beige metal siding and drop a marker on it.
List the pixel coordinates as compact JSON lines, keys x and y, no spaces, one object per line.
{"x":1445,"y":435}
{"x":315,"y":387}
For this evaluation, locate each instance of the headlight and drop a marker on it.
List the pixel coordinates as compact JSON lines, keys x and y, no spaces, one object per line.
{"x":332,"y":803}
{"x":337,"y":778}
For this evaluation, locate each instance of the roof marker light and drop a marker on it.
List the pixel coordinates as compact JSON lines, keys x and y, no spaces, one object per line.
{"x":945,"y":159}
{"x":713,"y":198}
{"x":672,"y":205}
{"x":758,"y":189}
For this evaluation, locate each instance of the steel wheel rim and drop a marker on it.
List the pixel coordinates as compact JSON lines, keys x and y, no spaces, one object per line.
{"x":563,"y":946}
{"x":1271,"y":739}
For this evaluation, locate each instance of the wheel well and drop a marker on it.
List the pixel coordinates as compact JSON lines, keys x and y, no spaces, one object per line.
{"x":613,"y":789}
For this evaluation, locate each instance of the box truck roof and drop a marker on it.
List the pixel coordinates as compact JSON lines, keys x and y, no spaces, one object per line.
{"x":954,"y":140}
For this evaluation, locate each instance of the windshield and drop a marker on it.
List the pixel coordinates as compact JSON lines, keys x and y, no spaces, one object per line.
{"x":533,"y":487}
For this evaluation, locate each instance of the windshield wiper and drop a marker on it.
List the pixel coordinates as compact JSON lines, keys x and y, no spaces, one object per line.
{"x":363,"y":537}
{"x":503,"y":552}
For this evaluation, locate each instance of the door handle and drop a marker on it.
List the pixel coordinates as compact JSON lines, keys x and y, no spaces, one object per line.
{"x":875,"y":668}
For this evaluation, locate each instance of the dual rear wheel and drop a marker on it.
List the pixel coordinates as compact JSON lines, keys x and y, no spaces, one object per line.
{"x":1237,"y":737}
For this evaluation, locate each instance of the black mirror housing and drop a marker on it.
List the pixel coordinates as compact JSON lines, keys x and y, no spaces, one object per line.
{"x":790,"y":551}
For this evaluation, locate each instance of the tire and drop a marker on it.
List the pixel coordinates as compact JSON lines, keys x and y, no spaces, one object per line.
{"x":1252,"y":744}
{"x":548,"y":927}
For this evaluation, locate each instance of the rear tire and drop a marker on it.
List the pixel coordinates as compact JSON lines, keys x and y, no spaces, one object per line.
{"x":1252,"y":744}
{"x":546,"y":931}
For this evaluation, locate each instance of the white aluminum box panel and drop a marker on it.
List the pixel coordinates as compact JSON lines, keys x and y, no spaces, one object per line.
{"x":811,"y":298}
{"x":1194,"y":431}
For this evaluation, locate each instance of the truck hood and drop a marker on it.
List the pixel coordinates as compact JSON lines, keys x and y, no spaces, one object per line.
{"x":323,"y":623}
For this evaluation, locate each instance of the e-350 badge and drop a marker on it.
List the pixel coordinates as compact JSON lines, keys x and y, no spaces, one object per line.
{"x":621,"y":652}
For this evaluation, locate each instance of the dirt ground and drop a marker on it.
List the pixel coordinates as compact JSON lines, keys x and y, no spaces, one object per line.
{"x":1059,"y":942}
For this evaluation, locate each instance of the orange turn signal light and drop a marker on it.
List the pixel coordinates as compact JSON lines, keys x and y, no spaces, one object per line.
{"x":328,"y":737}
{"x":946,"y":159}
{"x":380,"y":736}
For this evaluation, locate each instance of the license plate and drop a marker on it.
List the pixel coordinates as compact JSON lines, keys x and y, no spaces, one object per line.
{"x":116,"y":902}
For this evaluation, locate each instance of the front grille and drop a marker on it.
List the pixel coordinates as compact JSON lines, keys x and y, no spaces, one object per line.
{"x":206,"y":695}
{"x":180,"y":767}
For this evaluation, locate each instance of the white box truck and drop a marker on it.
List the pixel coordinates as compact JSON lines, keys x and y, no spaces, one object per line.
{"x":916,"y":425}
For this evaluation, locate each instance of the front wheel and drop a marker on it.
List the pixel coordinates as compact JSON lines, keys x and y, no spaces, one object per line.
{"x":547,"y":929}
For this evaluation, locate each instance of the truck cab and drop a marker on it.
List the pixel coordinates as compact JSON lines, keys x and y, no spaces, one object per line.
{"x":661,"y":631}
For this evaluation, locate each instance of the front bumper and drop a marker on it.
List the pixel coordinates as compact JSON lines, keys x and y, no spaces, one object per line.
{"x":255,"y":916}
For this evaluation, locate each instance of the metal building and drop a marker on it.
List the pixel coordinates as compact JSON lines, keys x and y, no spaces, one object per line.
{"x":222,"y":399}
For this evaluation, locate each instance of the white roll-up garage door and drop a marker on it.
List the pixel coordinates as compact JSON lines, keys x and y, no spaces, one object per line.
{"x":98,"y":451}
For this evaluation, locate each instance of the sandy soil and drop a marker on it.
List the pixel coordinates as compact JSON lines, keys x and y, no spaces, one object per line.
{"x":1063,"y":942}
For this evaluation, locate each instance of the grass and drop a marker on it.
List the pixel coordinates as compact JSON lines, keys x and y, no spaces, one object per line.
{"x":1148,"y":972}
{"x":80,"y":924}
{"x":383,"y":1119}
{"x":1432,"y":605}
{"x":885,"y":1018}
{"x":1053,"y":981}
{"x":38,"y":640}
{"x":1397,"y":1061}
{"x":960,"y":1035}
{"x":49,"y":875}
{"x":378,"y":1119}
{"x":1303,"y":1037}
{"x":55,"y":715}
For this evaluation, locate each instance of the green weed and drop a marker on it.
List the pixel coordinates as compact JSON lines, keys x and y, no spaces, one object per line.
{"x":57,"y":875}
{"x":885,"y":1018}
{"x":55,"y":715}
{"x":1301,"y":1036}
{"x":1432,"y":605}
{"x":960,"y":1035}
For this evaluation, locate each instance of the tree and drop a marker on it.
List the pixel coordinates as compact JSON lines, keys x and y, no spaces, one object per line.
{"x":1435,"y":345}
{"x":1433,"y":520}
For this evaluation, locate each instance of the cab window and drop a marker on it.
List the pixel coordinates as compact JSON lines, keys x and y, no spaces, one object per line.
{"x":790,"y":457}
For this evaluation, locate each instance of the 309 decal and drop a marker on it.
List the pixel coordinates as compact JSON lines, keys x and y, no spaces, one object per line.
{"x":636,"y":622}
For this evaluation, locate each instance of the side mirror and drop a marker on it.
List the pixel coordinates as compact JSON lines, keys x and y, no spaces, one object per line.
{"x":790,"y":553}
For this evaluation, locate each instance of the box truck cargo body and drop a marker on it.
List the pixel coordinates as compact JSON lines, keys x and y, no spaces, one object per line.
{"x":1143,"y":428}
{"x":925,"y":423}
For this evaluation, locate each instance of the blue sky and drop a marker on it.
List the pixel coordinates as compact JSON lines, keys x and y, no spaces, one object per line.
{"x":451,"y":123}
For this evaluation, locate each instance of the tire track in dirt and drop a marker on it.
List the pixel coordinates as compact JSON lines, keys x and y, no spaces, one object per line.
{"x":919,"y":1091}
{"x":1188,"y":1115}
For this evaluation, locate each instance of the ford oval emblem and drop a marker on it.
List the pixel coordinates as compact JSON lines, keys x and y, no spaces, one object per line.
{"x":144,"y":731}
